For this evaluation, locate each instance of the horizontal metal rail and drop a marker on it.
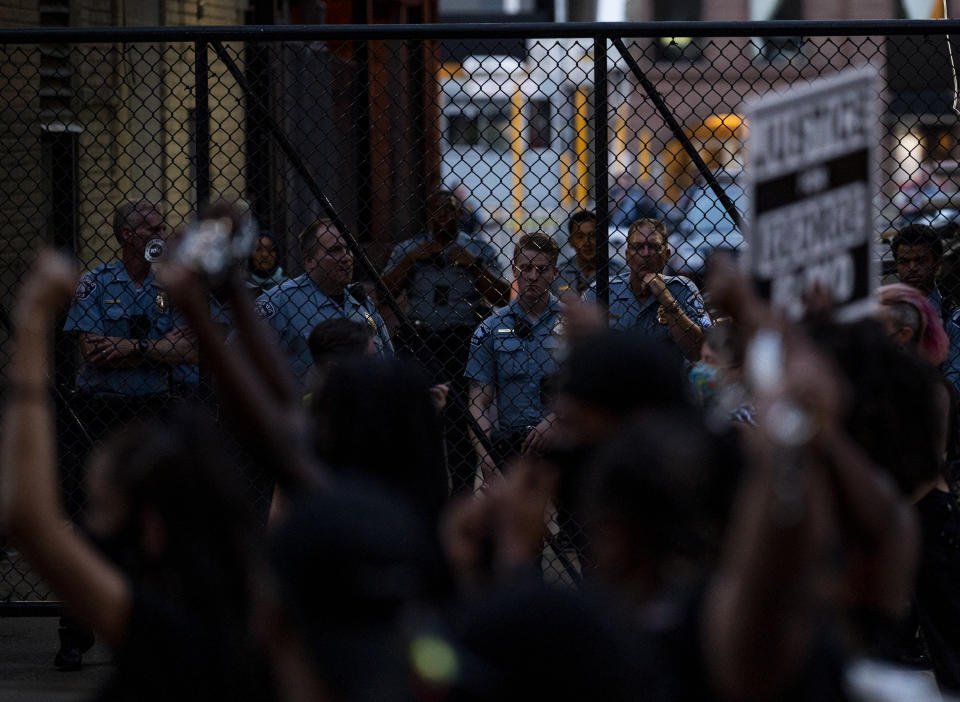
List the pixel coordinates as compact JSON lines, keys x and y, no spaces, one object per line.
{"x":501,"y":30}
{"x":31,"y":608}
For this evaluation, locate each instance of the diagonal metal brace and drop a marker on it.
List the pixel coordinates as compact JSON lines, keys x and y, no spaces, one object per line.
{"x":284,"y":142}
{"x":678,"y":132}
{"x":359,"y":254}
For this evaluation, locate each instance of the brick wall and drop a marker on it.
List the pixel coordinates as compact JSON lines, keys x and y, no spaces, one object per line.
{"x":135,"y":107}
{"x":130,"y":108}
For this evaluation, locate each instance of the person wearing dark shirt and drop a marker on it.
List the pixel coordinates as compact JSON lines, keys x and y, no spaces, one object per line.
{"x":918,"y":252}
{"x":165,"y":578}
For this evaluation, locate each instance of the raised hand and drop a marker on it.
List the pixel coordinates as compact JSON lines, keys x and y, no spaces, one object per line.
{"x":48,"y":287}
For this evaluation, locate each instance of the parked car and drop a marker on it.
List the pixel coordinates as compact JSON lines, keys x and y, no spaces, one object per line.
{"x":704,"y":226}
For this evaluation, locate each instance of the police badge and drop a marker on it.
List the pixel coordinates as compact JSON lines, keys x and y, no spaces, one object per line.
{"x":479,"y":335}
{"x":162,"y":300}
{"x":661,"y":315}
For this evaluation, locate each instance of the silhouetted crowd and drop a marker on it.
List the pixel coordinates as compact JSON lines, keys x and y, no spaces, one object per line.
{"x":704,"y":501}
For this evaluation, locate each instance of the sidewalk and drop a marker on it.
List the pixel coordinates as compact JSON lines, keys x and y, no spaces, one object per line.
{"x":27,"y":648}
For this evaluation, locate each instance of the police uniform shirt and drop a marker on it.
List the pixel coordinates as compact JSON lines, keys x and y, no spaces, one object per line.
{"x":440,"y":294}
{"x":109,"y":304}
{"x":516,"y":363}
{"x":626,"y":312}
{"x":570,"y":277}
{"x":296,"y":306}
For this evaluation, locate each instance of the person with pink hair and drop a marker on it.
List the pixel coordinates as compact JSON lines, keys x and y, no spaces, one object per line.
{"x":913,"y":322}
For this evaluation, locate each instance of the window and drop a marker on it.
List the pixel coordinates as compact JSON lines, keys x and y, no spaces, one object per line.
{"x":918,"y":68}
{"x":678,"y":48}
{"x":777,"y":50}
{"x":483,"y":127}
{"x":463,"y":129}
{"x":495,"y":121}
{"x":539,"y":134}
{"x":938,"y":142}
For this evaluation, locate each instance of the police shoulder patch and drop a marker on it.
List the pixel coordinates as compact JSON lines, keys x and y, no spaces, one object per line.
{"x":86,"y":286}
{"x":266,"y":309}
{"x":480,"y":334}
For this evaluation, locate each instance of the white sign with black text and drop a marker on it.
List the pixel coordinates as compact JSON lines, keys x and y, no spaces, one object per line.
{"x":810,"y":172}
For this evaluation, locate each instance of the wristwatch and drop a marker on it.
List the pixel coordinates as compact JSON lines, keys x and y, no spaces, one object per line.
{"x":143,"y":346}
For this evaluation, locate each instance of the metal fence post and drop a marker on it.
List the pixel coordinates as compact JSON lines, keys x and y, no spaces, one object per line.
{"x":601,"y":152}
{"x":201,"y":117}
{"x":361,"y":121}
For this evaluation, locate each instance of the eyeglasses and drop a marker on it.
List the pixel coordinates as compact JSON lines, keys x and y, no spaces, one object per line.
{"x":526,"y":268}
{"x":641,"y":246}
{"x":333,"y":252}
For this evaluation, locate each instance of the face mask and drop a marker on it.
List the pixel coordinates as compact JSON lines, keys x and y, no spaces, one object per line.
{"x":705,"y":382}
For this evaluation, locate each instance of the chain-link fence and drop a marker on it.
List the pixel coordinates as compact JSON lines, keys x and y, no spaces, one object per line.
{"x":428,"y":152}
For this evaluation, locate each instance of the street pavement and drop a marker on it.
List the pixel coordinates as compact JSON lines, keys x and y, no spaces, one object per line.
{"x":27,"y":648}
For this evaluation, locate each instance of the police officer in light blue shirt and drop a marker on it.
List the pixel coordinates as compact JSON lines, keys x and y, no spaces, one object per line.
{"x":668,"y":309}
{"x":139,"y":358}
{"x":132,"y":341}
{"x":514,"y":356}
{"x":122,"y":326}
{"x":323,"y":292}
{"x":576,"y":272}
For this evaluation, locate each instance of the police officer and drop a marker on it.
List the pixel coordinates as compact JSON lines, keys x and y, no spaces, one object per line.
{"x":576,"y":272}
{"x":665,"y":308}
{"x":446,"y":275}
{"x":138,"y":356}
{"x":450,"y":280}
{"x":133,"y":343}
{"x":918,"y":252}
{"x":323,"y":292}
{"x":514,"y":355}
